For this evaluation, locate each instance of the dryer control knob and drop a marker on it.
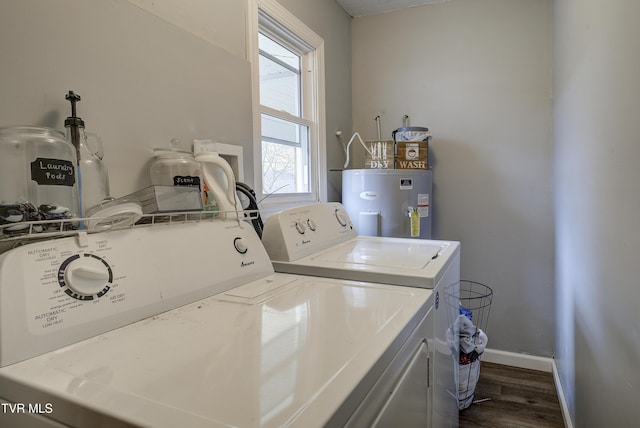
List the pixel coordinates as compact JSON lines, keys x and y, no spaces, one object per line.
{"x":87,"y":276}
{"x":300,"y":228}
{"x":312,"y":225}
{"x":342,"y":218}
{"x":240,"y":246}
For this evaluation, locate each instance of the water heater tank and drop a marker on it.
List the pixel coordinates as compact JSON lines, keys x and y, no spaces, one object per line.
{"x":378,"y":201}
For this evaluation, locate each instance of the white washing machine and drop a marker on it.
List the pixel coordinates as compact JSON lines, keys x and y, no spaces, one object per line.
{"x":320,"y":240}
{"x":187,"y":325}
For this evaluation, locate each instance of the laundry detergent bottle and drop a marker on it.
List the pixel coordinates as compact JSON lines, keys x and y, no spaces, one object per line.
{"x":220,"y":182}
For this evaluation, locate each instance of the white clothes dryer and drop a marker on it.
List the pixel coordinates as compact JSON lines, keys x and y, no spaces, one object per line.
{"x":320,"y":240}
{"x":169,"y":325}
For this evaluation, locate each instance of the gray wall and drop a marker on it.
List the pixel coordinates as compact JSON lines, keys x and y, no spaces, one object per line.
{"x":478,"y":74}
{"x":596,"y":152}
{"x":152,"y":70}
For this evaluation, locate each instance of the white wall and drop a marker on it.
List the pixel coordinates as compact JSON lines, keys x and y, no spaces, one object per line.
{"x":219,"y":22}
{"x":149,"y":71}
{"x":478,"y":74}
{"x":597,"y":152}
{"x":143,"y":81}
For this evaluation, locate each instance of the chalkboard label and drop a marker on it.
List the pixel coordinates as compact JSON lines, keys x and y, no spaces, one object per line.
{"x":186,"y":181}
{"x":53,"y":172}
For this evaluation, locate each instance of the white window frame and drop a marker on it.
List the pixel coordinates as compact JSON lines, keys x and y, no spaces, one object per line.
{"x":314,"y":105}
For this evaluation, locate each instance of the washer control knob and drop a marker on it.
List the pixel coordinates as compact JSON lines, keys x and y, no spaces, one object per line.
{"x":240,"y":246}
{"x":342,"y":218}
{"x":312,"y":225}
{"x":87,"y":276}
{"x":300,"y":228}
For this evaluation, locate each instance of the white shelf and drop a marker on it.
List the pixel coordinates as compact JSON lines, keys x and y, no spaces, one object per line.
{"x":44,"y":229}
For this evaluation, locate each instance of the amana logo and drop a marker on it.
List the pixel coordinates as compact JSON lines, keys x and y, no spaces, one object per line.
{"x":243,"y":264}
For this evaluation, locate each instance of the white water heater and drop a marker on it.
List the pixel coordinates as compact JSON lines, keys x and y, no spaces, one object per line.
{"x":379,"y":201}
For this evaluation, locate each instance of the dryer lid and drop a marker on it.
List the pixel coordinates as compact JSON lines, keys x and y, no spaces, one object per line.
{"x":283,"y":350}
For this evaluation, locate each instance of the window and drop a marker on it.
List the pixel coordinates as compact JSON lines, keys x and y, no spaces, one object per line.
{"x":288,"y":95}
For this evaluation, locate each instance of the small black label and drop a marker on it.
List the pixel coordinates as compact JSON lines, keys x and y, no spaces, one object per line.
{"x":53,"y":172}
{"x":186,"y":181}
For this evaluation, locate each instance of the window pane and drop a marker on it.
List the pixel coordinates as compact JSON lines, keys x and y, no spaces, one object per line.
{"x":278,"y":51}
{"x":285,"y":156}
{"x":279,"y":77}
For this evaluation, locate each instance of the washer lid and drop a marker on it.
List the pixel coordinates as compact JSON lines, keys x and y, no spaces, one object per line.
{"x":400,"y":261}
{"x":378,"y":253}
{"x":283,"y":350}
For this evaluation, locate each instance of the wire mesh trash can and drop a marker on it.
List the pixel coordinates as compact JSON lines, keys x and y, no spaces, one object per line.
{"x":471,"y":325}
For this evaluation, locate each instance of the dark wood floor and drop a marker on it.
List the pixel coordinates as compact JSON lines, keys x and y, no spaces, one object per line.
{"x":518,"y":398}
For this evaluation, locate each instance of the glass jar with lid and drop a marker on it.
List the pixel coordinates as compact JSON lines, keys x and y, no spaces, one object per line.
{"x":172,"y":167}
{"x":37,"y":176}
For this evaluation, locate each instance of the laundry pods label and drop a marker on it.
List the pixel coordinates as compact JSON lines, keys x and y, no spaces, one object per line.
{"x":53,"y":172}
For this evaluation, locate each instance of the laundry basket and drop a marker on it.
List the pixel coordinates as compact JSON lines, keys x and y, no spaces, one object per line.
{"x":471,"y":325}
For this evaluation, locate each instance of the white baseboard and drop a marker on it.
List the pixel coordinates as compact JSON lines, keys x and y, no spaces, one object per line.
{"x":514,"y":359}
{"x":563,"y":400}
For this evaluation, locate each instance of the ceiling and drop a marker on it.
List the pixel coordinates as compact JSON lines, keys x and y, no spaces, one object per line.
{"x":371,"y":7}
